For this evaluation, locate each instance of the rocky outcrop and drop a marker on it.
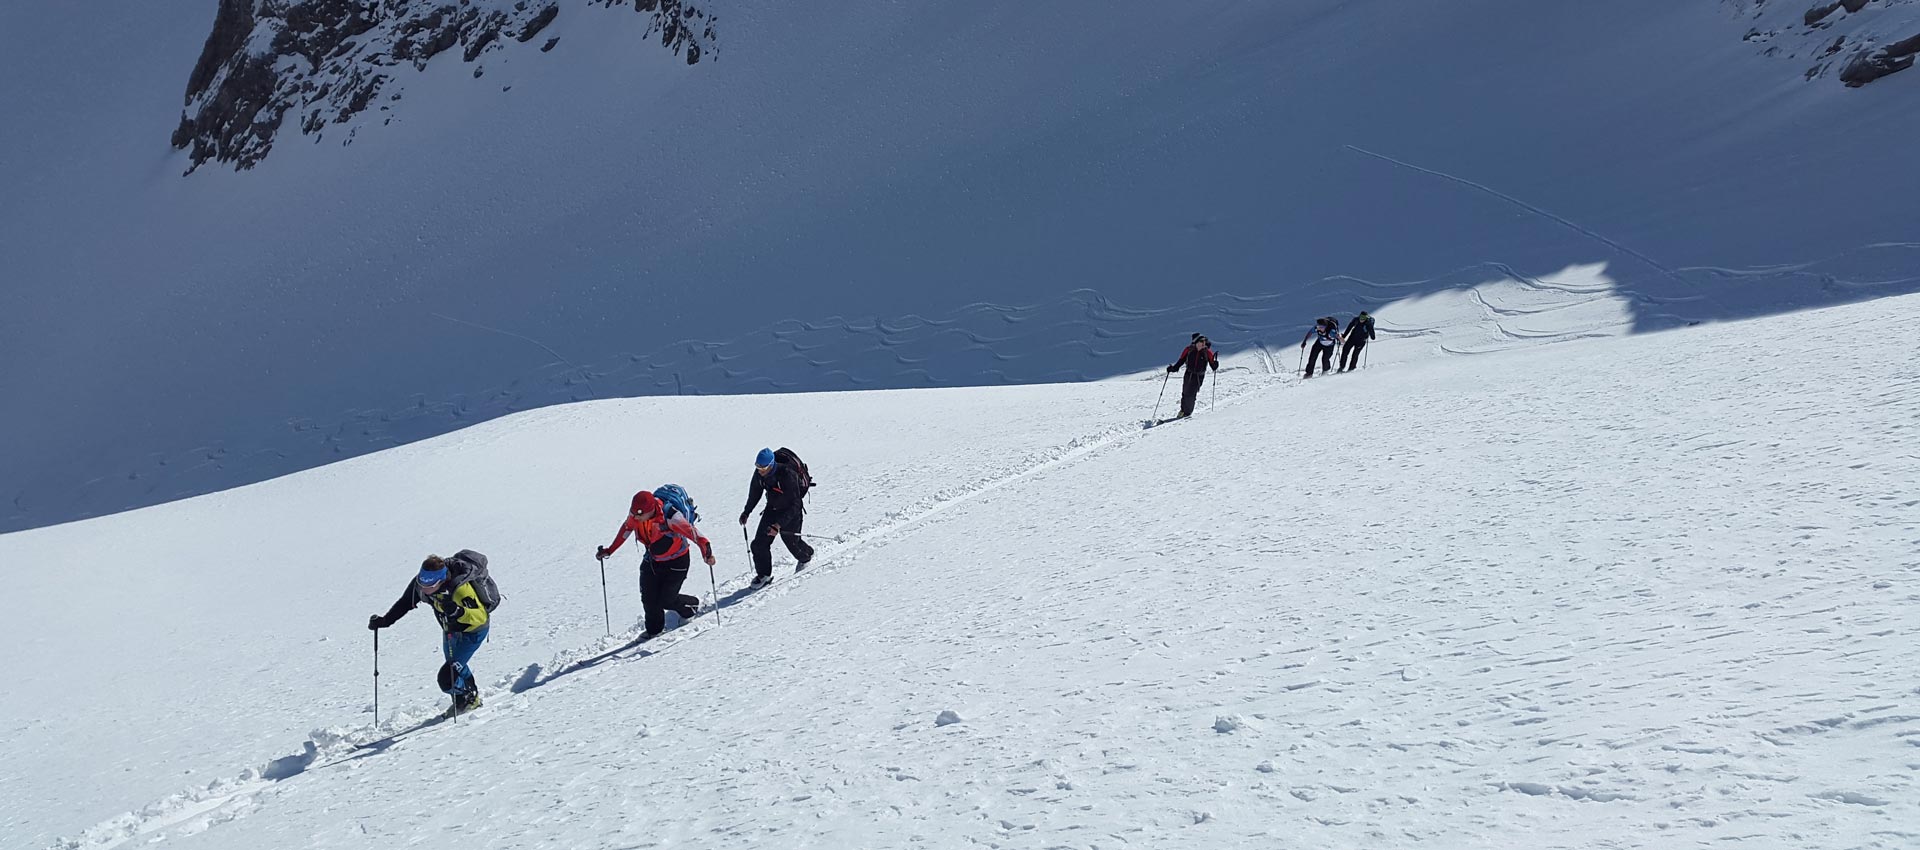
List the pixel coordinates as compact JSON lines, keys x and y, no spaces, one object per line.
{"x":1867,"y":67}
{"x":323,"y":63}
{"x":1856,"y":41}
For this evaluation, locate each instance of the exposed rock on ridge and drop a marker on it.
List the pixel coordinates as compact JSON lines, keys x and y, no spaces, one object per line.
{"x":1856,"y":41}
{"x":324,"y":62}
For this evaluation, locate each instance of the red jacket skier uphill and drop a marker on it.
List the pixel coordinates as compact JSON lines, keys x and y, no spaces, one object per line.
{"x":1198,"y":357}
{"x":669,"y":542}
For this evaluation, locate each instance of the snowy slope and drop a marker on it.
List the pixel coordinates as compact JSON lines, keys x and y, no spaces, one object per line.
{"x":1651,"y":591}
{"x":604,"y":219}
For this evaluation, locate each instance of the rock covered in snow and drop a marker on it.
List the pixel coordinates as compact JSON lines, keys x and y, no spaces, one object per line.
{"x":947,"y":717}
{"x":1854,"y":40}
{"x":323,"y":62}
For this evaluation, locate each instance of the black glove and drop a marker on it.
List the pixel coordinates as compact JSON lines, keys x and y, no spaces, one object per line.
{"x":1174,"y":368}
{"x":743,"y":516}
{"x":600,"y":552}
{"x":377,"y":622}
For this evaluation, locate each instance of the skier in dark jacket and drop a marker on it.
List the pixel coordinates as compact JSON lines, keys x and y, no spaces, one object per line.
{"x":784,"y":489}
{"x":669,"y":542}
{"x":459,"y":590}
{"x":1325,"y":337}
{"x":1198,"y":357}
{"x":1359,"y":332}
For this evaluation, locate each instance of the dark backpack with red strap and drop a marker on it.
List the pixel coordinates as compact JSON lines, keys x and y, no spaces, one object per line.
{"x":784,"y":455}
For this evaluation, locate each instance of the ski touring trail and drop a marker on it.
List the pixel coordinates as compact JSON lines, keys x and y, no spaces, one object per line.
{"x":1659,"y":589}
{"x":224,"y":800}
{"x":1564,"y":588}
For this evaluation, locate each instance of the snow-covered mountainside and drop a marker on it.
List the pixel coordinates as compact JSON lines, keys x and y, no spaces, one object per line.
{"x":1656,"y":590}
{"x":857,"y":194}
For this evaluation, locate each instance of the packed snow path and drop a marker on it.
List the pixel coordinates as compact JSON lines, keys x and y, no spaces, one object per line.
{"x":1651,"y":591}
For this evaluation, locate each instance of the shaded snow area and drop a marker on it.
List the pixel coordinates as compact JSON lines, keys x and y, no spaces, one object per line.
{"x":1649,"y":591}
{"x":856,"y":195}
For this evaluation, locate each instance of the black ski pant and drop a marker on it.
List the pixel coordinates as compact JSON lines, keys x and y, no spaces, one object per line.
{"x":1351,"y":352}
{"x":762,"y":546}
{"x":1190,"y":390}
{"x":1324,"y":353}
{"x":660,"y":591}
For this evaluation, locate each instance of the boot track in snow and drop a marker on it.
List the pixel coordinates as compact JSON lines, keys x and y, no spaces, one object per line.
{"x":228,"y":799}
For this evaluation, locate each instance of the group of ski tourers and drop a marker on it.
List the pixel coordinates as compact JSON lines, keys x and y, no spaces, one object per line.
{"x":663,"y":521}
{"x":1326,"y":335}
{"x":1199,"y":358}
{"x":463,"y":595}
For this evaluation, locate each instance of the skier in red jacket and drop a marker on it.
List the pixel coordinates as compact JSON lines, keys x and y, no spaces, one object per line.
{"x":669,"y":543}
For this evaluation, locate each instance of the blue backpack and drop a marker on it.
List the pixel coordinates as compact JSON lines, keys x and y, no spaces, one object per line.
{"x":676,"y":497}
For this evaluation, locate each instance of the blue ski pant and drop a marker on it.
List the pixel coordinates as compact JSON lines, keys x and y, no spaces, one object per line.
{"x":459,"y":647}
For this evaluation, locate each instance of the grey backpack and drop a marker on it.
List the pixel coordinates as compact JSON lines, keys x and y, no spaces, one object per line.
{"x":476,"y":574}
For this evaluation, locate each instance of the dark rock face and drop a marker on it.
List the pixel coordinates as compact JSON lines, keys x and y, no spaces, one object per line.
{"x":327,"y":61}
{"x":1867,"y":46}
{"x":682,"y":28}
{"x":1867,"y":67}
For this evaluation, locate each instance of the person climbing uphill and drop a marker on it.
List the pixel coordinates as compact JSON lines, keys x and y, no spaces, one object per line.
{"x":1198,"y":357}
{"x":1359,"y":332}
{"x":463,"y":597}
{"x":1325,"y":337}
{"x":669,"y":541}
{"x":784,"y":479}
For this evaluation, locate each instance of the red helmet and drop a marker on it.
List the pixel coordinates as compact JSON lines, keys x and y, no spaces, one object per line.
{"x":645,"y":503}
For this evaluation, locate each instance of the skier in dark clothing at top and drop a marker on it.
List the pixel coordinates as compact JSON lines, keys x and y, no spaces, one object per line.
{"x":1198,"y":357}
{"x":1359,"y":332}
{"x":785,"y":486}
{"x":1325,"y":337}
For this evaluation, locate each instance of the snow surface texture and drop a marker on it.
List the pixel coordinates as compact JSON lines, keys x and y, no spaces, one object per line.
{"x":865,"y":166}
{"x":1651,"y":591}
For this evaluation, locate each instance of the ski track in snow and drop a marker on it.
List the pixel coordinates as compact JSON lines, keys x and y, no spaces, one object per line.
{"x":1680,"y":651}
{"x":191,"y":811}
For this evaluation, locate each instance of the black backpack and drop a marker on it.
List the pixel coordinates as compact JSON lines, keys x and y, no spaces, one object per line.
{"x":476,"y":574}
{"x":785,"y":455}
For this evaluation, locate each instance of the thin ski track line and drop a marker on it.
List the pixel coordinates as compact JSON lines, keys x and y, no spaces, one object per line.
{"x":1577,"y":228}
{"x":404,"y":725}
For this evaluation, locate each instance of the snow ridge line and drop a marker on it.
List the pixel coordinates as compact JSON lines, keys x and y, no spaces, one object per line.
{"x":234,"y":797}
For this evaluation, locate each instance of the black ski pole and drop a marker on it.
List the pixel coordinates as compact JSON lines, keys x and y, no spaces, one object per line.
{"x":716,"y":594}
{"x":1161,"y":397}
{"x":605,"y":609}
{"x":1213,"y":392}
{"x":1302,"y":368}
{"x":376,"y":677}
